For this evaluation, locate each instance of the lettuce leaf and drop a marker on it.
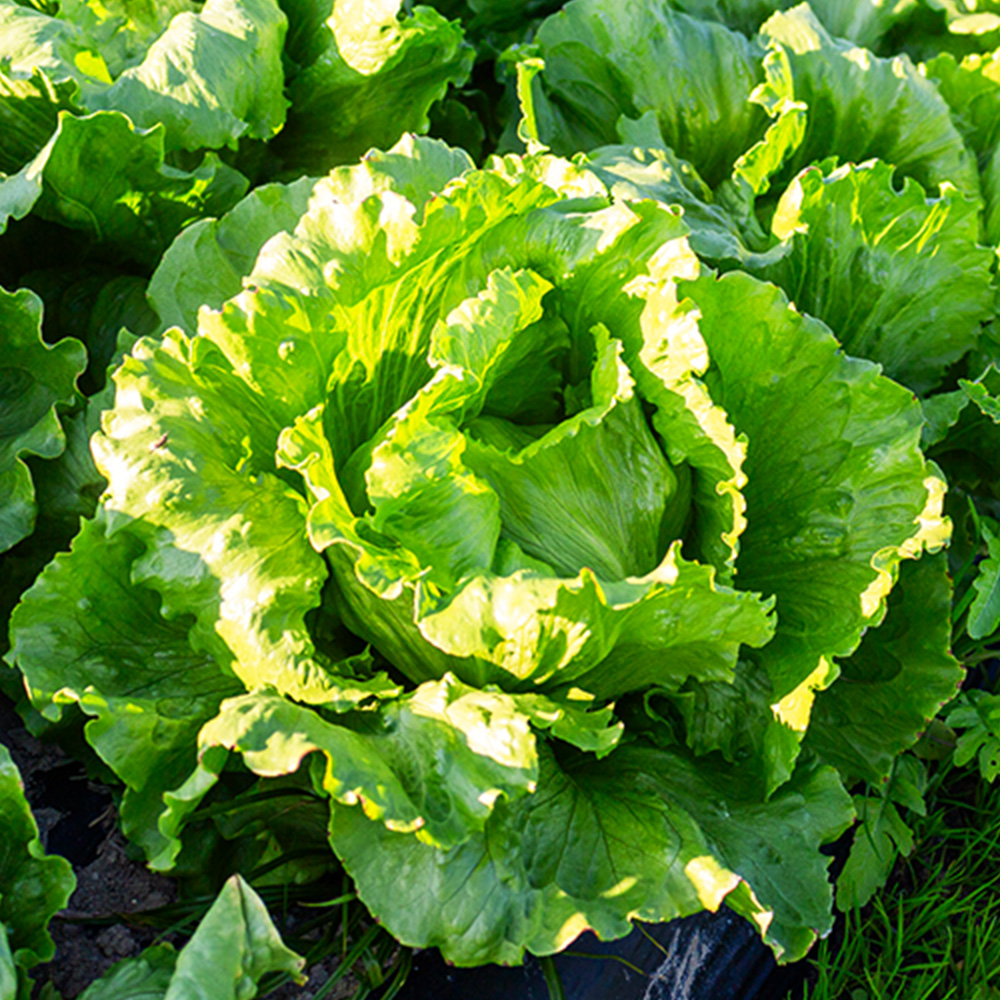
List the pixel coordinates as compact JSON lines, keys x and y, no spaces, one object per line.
{"x":102,"y":176}
{"x":356,"y":58}
{"x":33,"y":885}
{"x":35,"y":378}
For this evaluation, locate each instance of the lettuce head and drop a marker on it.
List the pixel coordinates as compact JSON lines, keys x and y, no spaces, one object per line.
{"x":523,"y":541}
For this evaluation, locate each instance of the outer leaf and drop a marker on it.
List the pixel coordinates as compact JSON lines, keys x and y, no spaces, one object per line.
{"x":120,"y":30}
{"x":895,"y":683}
{"x":972,"y":90}
{"x":92,"y":303}
{"x":205,"y":265}
{"x":861,"y":106}
{"x":643,"y":167}
{"x":29,"y":113}
{"x":740,"y":719}
{"x":984,"y":614}
{"x":601,"y":60}
{"x":210,"y":79}
{"x":33,"y":886}
{"x":969,"y":17}
{"x":983,"y":392}
{"x":364,"y":59}
{"x":684,"y":837}
{"x":144,"y":977}
{"x":8,"y":972}
{"x":98,"y":174}
{"x":862,"y":21}
{"x":941,"y":412}
{"x":896,"y":251}
{"x":85,"y":633}
{"x":235,"y":944}
{"x":33,"y":39}
{"x":68,"y":488}
{"x":34,"y":379}
{"x":827,"y":543}
{"x":966,"y":433}
{"x":434,"y":762}
{"x":233,"y":519}
{"x":568,"y":720}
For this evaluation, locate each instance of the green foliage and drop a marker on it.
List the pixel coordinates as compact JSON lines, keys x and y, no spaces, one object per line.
{"x":33,"y":885}
{"x":881,"y":834}
{"x":935,"y":929}
{"x":473,"y":512}
{"x":233,"y":947}
{"x":978,"y":713}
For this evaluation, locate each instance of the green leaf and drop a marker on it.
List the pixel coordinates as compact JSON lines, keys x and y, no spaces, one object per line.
{"x":599,"y":60}
{"x":33,"y":886}
{"x":234,"y":946}
{"x":864,"y":22}
{"x":644,"y":834}
{"x":8,"y":971}
{"x":972,"y":90}
{"x":642,"y":166}
{"x":29,"y":112}
{"x":206,"y":441}
{"x":144,"y":977}
{"x":882,"y":835}
{"x":984,"y":614}
{"x":51,"y":50}
{"x":206,"y":263}
{"x":433,"y":763}
{"x":67,"y":488}
{"x":86,"y":634}
{"x":121,"y":30}
{"x":825,"y":542}
{"x":861,"y":106}
{"x":363,"y":58}
{"x":211,"y":78}
{"x":569,"y":719}
{"x":978,"y":713}
{"x":941,"y":413}
{"x":34,"y":379}
{"x":92,"y":303}
{"x":100,"y":175}
{"x":983,"y":392}
{"x":895,"y":683}
{"x":897,"y":276}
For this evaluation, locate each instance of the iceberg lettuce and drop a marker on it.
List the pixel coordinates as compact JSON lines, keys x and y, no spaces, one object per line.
{"x":457,"y":506}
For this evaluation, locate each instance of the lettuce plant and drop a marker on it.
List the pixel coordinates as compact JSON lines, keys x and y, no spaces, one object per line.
{"x":483,"y":513}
